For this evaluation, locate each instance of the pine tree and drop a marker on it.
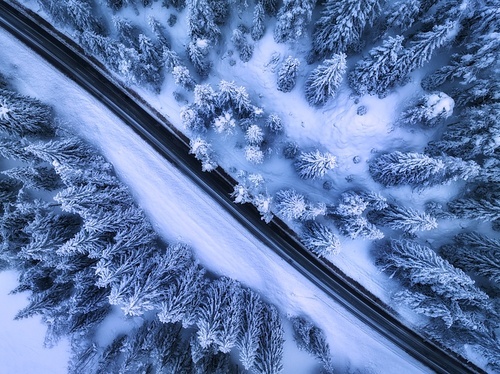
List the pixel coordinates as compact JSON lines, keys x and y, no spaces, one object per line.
{"x":340,"y":25}
{"x":485,"y":209}
{"x":320,"y":239}
{"x":254,"y":135}
{"x":258,"y":26}
{"x":398,"y":217}
{"x":251,"y":324}
{"x":234,"y":98}
{"x":424,"y":44}
{"x":419,"y":170}
{"x":201,"y":21}
{"x":202,"y":150}
{"x":477,"y":254}
{"x":274,"y":123}
{"x":402,"y":14}
{"x":192,"y":119}
{"x":22,"y":115}
{"x":254,"y":154}
{"x":241,"y":44}
{"x":219,"y":315}
{"x":224,"y":124}
{"x":473,"y":135}
{"x":68,"y":150}
{"x":380,"y":70}
{"x":183,"y":78}
{"x":269,"y":357}
{"x":293,"y":18}
{"x":351,"y":203}
{"x":429,"y":111}
{"x":312,"y":165}
{"x":198,"y":51}
{"x":312,"y":339}
{"x":37,"y":177}
{"x":183,"y":296}
{"x":324,"y":81}
{"x":357,"y":226}
{"x":290,"y":204}
{"x":205,"y":100}
{"x":287,"y":74}
{"x":420,"y":265}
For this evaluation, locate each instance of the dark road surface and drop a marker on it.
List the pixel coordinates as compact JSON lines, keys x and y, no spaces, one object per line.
{"x":218,"y":185}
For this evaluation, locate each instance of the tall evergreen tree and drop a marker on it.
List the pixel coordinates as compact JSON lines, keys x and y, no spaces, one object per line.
{"x":380,"y":70}
{"x":477,"y":254}
{"x":258,"y":27}
{"x":269,"y":357}
{"x":287,"y":74}
{"x":22,"y":115}
{"x":312,"y":165}
{"x":320,"y":239}
{"x":403,"y":218}
{"x":324,"y":81}
{"x":340,"y":25}
{"x":251,"y":324}
{"x":293,"y":18}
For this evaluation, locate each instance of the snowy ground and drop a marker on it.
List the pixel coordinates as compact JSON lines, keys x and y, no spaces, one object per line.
{"x":180,"y":211}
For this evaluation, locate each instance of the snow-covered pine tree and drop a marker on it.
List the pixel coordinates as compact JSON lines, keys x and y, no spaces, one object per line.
{"x":402,"y":14}
{"x":423,"y":45}
{"x":13,"y":149}
{"x":485,"y":208}
{"x":269,"y":357}
{"x":205,"y":100}
{"x":68,"y":150}
{"x":219,"y":315}
{"x":198,"y":50}
{"x":183,"y":78}
{"x":258,"y":26}
{"x":341,"y":25}
{"x":312,"y":165}
{"x":473,"y":135}
{"x":357,"y":226}
{"x":35,"y":176}
{"x":290,"y":204}
{"x":251,"y":323}
{"x":183,"y":296}
{"x":22,"y":115}
{"x":74,"y":13}
{"x":231,"y":97}
{"x":201,"y":21}
{"x":320,"y":239}
{"x":476,"y":254}
{"x":254,"y":135}
{"x":419,"y":170}
{"x":428,"y":111}
{"x":312,"y":339}
{"x":398,"y":217}
{"x":274,"y":123}
{"x":224,"y":124}
{"x":192,"y":119}
{"x":287,"y":74}
{"x":324,"y":81}
{"x":254,"y":154}
{"x":351,"y":203}
{"x":380,"y":70}
{"x":293,"y":18}
{"x":418,"y":265}
{"x":242,"y":45}
{"x":263,"y":203}
{"x":202,"y":150}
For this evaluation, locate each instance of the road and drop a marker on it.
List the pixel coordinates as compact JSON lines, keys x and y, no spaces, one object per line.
{"x":173,"y":146}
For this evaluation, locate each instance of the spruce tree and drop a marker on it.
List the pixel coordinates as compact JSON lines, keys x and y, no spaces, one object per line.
{"x":287,"y":74}
{"x":380,"y":70}
{"x":320,"y":239}
{"x":269,"y":357}
{"x":324,"y":81}
{"x":258,"y":27}
{"x":293,"y":18}
{"x":340,"y":25}
{"x":312,"y":165}
{"x":398,"y":217}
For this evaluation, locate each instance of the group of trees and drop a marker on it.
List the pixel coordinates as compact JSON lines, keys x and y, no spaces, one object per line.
{"x":88,"y":246}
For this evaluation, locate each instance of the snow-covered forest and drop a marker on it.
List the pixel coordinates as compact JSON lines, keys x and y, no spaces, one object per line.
{"x":363,"y":124}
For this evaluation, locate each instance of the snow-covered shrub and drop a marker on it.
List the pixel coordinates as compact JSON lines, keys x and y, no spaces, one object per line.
{"x":274,"y":123}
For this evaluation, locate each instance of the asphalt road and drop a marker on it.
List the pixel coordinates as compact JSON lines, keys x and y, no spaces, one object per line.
{"x":155,"y":129}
